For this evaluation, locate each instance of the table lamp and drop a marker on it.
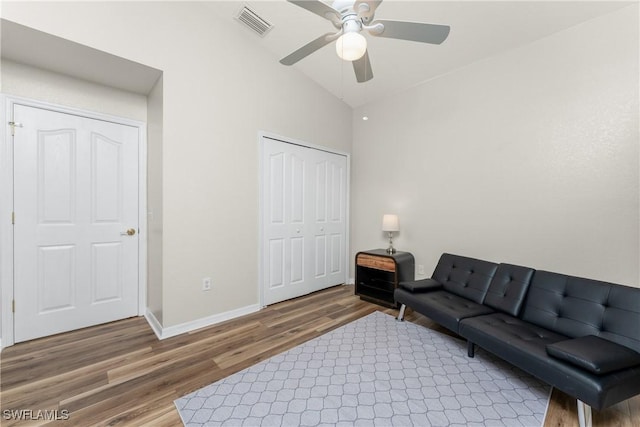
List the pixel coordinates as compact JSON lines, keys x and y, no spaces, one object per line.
{"x":390,"y":224}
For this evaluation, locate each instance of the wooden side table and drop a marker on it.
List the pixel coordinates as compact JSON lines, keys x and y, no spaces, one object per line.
{"x":378,"y":274}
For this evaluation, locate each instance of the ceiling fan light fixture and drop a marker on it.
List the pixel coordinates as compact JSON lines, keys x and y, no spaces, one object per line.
{"x":350,"y":17}
{"x":351,"y":46}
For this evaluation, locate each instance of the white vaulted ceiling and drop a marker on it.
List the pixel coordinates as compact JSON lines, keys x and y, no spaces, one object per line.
{"x":479,"y":29}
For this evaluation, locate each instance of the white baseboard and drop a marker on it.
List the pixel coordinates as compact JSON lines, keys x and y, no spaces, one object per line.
{"x":182,"y":328}
{"x":351,"y":281}
{"x":156,"y":327}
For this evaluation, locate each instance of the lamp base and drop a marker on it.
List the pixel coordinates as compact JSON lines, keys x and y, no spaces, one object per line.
{"x":391,"y":249}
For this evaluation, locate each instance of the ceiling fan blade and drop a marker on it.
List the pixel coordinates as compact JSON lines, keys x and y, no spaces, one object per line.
{"x":362,"y":68}
{"x":309,"y":48}
{"x":414,"y":31}
{"x":320,"y":9}
{"x":366,"y":9}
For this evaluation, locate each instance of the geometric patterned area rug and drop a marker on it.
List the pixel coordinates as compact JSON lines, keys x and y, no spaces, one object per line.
{"x":373,"y":371}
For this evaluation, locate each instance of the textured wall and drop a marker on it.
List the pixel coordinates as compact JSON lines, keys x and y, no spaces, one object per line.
{"x":530,"y":157}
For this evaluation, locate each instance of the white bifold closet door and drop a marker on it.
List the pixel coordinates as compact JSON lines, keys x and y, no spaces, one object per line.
{"x":76,"y":222}
{"x":303,"y":220}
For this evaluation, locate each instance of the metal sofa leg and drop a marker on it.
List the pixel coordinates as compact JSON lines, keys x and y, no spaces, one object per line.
{"x":584,"y":414}
{"x":400,"y":317}
{"x":471,"y":349}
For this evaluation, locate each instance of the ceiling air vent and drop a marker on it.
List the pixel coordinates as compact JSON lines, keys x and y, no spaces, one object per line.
{"x":252,"y":20}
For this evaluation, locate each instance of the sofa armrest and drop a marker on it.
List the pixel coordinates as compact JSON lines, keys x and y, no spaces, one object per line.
{"x":424,"y":285}
{"x":594,"y":354}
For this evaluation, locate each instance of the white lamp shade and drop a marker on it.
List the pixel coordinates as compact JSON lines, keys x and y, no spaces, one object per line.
{"x":351,"y":46}
{"x":390,"y":223}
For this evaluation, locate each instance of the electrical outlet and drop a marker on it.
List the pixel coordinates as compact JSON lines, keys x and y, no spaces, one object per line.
{"x":420,"y":270}
{"x":206,"y":284}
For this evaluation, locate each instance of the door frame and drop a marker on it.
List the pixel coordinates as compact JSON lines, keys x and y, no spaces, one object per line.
{"x":261,"y":234}
{"x":6,"y":204}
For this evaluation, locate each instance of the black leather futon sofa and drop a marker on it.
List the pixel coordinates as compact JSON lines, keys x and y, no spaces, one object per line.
{"x":579,"y":335}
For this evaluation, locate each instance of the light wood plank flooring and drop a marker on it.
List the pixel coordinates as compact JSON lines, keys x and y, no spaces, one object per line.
{"x":120,"y":374}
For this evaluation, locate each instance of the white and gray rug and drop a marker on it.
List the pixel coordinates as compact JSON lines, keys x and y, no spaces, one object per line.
{"x":373,"y":371}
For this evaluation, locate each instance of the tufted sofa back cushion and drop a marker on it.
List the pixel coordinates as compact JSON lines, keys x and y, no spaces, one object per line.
{"x":508,"y":288}
{"x":466,"y":277}
{"x":576,"y":307}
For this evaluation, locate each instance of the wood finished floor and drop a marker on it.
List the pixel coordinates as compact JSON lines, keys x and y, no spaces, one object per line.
{"x":121,"y":374}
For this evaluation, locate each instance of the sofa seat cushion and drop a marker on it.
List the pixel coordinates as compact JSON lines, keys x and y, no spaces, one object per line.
{"x":441,"y":306}
{"x":424,"y":285}
{"x":524,"y":345}
{"x":594,"y":354}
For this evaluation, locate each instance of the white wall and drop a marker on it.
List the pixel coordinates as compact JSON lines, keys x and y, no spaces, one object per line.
{"x":154,"y":200}
{"x":220,"y":88}
{"x":529,"y":157}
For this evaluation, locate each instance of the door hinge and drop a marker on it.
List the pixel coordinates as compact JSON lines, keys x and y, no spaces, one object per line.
{"x":13,"y":218}
{"x":13,"y":306}
{"x":14,"y":125}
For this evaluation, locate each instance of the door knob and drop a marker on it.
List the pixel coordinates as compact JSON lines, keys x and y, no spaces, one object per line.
{"x":129,"y":232}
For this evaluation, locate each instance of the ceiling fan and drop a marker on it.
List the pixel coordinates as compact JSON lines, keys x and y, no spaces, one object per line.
{"x":350,"y":17}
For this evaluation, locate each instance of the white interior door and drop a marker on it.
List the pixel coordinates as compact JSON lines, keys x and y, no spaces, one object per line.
{"x":328,"y":213}
{"x":304,"y":220}
{"x":75,"y":197}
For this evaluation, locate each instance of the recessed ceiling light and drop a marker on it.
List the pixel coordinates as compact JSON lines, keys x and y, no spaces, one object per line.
{"x":365,"y":118}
